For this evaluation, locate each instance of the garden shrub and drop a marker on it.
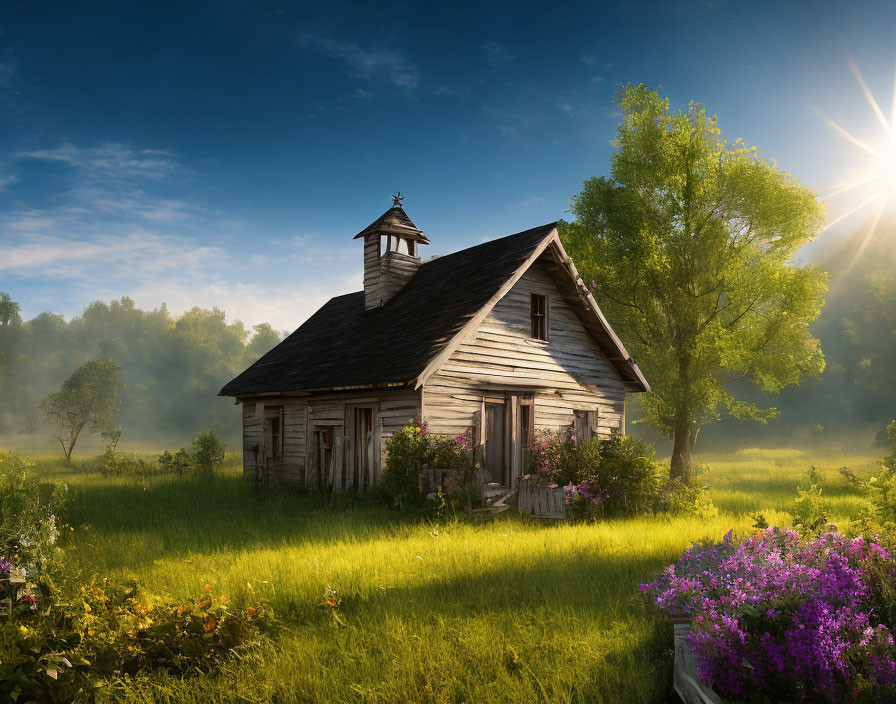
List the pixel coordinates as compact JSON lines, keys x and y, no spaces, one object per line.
{"x":410,"y":450}
{"x":630,"y":475}
{"x":776,"y":618}
{"x":615,"y":477}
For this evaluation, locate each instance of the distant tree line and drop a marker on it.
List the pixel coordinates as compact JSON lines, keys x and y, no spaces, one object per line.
{"x":172,"y":367}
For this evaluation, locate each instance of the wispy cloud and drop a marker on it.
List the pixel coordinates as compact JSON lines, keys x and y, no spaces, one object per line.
{"x":125,"y":257}
{"x":368,"y":63}
{"x":588,"y":59}
{"x":362,"y":94}
{"x":111,"y":160}
{"x":497,"y":54}
{"x":120,"y":227}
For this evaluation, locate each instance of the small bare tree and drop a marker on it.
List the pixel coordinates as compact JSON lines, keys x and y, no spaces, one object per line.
{"x":90,"y":397}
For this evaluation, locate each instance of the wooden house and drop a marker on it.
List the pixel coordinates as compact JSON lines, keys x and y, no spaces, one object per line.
{"x":499,"y":339}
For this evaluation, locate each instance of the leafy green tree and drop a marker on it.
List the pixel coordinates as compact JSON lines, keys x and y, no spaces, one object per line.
{"x":208,"y":453}
{"x":9,"y":311}
{"x":172,"y":366}
{"x":90,"y":397}
{"x":689,"y":244}
{"x":9,"y":319}
{"x":871,"y":333}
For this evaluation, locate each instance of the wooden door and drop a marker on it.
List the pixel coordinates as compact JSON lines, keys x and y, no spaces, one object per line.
{"x":495,"y":443}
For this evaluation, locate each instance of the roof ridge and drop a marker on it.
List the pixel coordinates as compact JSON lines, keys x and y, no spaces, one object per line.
{"x":549,"y":227}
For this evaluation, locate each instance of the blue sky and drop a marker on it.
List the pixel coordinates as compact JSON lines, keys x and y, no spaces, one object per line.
{"x":225,"y":153}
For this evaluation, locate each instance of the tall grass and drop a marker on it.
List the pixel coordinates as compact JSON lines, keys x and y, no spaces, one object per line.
{"x":510,"y":611}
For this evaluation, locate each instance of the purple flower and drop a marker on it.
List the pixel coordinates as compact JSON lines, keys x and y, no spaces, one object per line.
{"x":816,"y":634}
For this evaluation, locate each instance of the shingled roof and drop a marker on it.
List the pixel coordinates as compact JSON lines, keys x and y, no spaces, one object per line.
{"x":345,"y":346}
{"x":394,"y":222}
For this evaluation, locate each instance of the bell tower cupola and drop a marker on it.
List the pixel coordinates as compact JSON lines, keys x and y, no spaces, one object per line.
{"x":390,"y":254}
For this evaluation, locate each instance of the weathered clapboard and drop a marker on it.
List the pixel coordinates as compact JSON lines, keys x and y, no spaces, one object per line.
{"x":497,"y":340}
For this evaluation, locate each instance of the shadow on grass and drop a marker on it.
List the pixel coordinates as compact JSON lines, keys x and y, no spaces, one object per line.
{"x":222,"y":513}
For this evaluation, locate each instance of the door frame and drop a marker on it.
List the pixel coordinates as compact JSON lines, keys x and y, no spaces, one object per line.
{"x":514,"y":457}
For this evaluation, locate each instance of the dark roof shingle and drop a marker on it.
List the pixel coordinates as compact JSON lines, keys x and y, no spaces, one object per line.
{"x":342,"y":345}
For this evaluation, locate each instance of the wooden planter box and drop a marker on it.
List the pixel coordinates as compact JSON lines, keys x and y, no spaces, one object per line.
{"x":541,"y":499}
{"x":685,"y":681}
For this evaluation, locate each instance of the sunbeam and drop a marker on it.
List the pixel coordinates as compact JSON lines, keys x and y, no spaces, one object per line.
{"x":869,"y":97}
{"x":879,"y":173}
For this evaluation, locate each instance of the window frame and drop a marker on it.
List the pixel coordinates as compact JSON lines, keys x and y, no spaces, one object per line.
{"x":276,"y":437}
{"x":539,"y":318}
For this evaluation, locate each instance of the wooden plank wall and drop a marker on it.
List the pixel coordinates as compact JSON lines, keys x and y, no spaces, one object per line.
{"x":252,"y":439}
{"x":567,"y":373}
{"x":302,"y":416}
{"x":384,"y":276}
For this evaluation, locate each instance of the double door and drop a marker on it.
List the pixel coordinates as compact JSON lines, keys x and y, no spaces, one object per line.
{"x":506,"y":426}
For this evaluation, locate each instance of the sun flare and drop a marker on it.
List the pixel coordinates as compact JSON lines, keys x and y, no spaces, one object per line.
{"x":878,"y":174}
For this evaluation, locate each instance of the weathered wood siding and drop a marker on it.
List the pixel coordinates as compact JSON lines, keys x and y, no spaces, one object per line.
{"x":385,"y":275}
{"x":252,"y":439}
{"x":291,"y":466}
{"x":569,"y":372}
{"x":301,"y":417}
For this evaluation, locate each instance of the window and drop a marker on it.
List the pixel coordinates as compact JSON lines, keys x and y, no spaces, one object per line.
{"x":527,"y":425}
{"x":276,"y":438}
{"x":539,"y":316}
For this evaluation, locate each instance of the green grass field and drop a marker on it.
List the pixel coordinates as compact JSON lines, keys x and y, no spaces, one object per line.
{"x":512,"y":611}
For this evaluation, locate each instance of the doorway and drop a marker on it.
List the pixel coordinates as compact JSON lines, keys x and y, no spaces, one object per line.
{"x":495,"y":451}
{"x":364,"y":450}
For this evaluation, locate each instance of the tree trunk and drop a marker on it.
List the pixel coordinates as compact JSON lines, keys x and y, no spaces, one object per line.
{"x":71,"y":443}
{"x":682,"y":444}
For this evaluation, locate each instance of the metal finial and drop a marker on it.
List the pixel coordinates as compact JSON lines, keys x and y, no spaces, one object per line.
{"x":396,"y":199}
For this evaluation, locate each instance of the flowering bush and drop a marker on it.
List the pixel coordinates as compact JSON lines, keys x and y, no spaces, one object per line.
{"x":779,"y":619}
{"x":614,"y":477}
{"x":411,"y":449}
{"x":584,"y":501}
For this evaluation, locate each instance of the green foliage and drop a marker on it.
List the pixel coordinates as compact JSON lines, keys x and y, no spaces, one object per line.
{"x":868,"y":362}
{"x":759,"y":521}
{"x":630,"y":475}
{"x":208,"y":453}
{"x":881,"y":490}
{"x":83,"y":642}
{"x":179,"y":463}
{"x":810,"y":511}
{"x":90,"y":397}
{"x":63,"y":640}
{"x":173,"y":367}
{"x":851,"y":479}
{"x":615,"y":477}
{"x":688,"y":245}
{"x":204,"y":461}
{"x":28,"y":510}
{"x":171,"y":535}
{"x":122,"y":464}
{"x":410,"y":450}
